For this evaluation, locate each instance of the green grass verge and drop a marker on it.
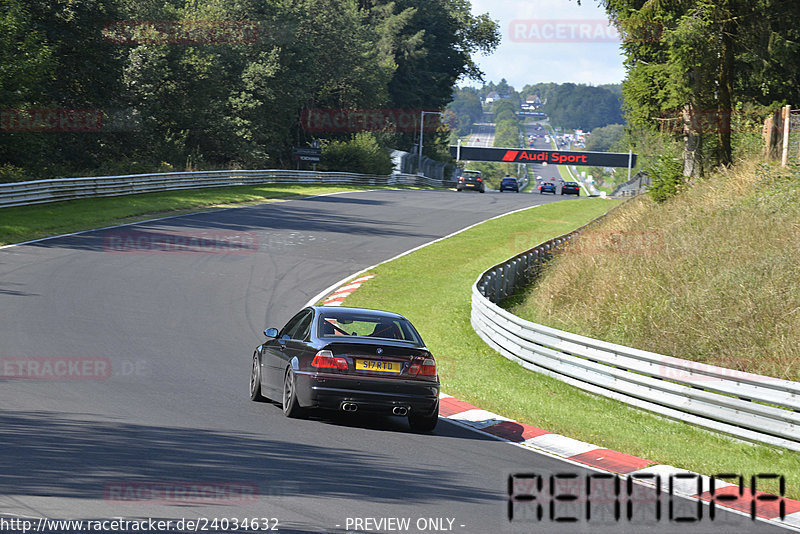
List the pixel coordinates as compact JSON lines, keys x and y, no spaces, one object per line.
{"x":23,"y":223}
{"x":432,"y":287}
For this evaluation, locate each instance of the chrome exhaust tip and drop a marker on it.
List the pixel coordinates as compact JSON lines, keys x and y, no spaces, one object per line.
{"x":400,"y":410}
{"x":349,"y":406}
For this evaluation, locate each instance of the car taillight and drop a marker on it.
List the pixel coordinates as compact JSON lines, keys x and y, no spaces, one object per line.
{"x":460,"y":178}
{"x":480,"y":180}
{"x":327,"y":360}
{"x":428,"y":368}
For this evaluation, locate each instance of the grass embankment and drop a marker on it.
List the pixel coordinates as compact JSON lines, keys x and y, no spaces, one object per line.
{"x":712,"y":275}
{"x":432,"y":288}
{"x":24,"y":223}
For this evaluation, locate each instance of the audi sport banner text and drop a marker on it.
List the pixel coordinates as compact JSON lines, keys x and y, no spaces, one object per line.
{"x":553,"y":157}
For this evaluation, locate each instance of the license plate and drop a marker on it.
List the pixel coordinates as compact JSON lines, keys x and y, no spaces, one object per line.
{"x":380,"y":366}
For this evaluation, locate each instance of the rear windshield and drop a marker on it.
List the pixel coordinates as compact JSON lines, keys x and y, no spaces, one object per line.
{"x":342,"y":323}
{"x":471,"y":174}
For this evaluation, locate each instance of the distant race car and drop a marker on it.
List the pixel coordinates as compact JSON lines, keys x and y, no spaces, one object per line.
{"x":571,"y":188}
{"x":509,"y":183}
{"x":547,"y":187}
{"x":470,"y":180}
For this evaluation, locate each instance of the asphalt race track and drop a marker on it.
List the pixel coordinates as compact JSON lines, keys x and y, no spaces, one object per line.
{"x":141,"y":358}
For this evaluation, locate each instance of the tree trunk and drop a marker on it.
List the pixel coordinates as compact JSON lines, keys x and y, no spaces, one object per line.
{"x":724,"y":111}
{"x":692,"y":143}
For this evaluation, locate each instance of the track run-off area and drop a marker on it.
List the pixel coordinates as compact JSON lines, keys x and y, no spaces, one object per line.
{"x":137,"y":343}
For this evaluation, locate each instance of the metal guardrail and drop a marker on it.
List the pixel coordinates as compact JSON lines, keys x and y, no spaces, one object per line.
{"x":41,"y":191}
{"x":638,"y":184}
{"x":745,"y":405}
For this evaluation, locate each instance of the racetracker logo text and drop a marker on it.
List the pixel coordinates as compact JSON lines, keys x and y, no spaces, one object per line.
{"x":366,"y":120}
{"x":50,"y":120}
{"x":181,"y":492}
{"x":141,"y":242}
{"x":582,"y":31}
{"x":55,"y":368}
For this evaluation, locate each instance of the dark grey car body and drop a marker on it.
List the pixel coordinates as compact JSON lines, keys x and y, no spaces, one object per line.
{"x":470,"y":180}
{"x":283,"y":366}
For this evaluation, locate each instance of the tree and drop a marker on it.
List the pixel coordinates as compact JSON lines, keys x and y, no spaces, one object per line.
{"x":54,"y":57}
{"x":440,"y":38}
{"x":581,"y":106}
{"x":604,"y":138}
{"x":174,"y":103}
{"x":466,"y":106}
{"x":706,"y":57}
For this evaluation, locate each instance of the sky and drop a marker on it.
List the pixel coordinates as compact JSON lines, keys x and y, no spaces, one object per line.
{"x":550,"y":41}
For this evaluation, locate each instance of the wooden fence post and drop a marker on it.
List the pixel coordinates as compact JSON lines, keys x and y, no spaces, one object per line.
{"x":787,"y":115}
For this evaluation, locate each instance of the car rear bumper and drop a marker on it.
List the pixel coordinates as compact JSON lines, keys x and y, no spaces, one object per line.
{"x":477,"y":187}
{"x":371,"y":394}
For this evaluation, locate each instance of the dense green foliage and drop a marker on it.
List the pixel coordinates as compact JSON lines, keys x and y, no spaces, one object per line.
{"x":362,"y":154}
{"x":605,"y":138}
{"x":693,"y":63}
{"x":464,"y":111}
{"x":230,"y":100}
{"x":667,"y":177}
{"x":574,"y":106}
{"x":508,"y":129}
{"x":544,"y":91}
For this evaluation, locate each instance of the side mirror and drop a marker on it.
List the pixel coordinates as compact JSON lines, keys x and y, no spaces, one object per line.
{"x":271,"y":332}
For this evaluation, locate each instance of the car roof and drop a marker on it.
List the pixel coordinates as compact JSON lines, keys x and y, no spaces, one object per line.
{"x":362,"y":311}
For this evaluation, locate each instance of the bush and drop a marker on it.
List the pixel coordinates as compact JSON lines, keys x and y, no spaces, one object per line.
{"x":667,"y":177}
{"x":11,"y":173}
{"x":362,"y":154}
{"x":603,"y":138}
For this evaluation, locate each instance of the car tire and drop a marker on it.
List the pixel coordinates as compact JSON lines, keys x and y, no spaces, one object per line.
{"x":255,"y":381}
{"x":483,"y":190}
{"x":423,"y":423}
{"x":291,"y":408}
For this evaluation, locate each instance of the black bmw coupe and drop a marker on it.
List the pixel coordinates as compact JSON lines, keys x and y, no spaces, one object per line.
{"x":348,"y":359}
